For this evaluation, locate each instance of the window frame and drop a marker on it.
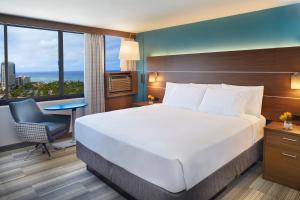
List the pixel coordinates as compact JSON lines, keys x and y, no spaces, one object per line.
{"x":61,"y":95}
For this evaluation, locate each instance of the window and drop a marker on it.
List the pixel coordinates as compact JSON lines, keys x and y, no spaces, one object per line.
{"x":73,"y":63}
{"x":112,"y":49}
{"x":44,"y":64}
{"x":32,"y":62}
{"x":2,"y":83}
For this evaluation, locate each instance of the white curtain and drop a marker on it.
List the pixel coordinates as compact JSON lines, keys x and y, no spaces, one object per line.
{"x":94,"y":73}
{"x":128,"y":65}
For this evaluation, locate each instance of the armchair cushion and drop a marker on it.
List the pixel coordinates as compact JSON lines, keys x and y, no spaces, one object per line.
{"x":56,"y":118}
{"x":55,"y":128}
{"x":57,"y":125}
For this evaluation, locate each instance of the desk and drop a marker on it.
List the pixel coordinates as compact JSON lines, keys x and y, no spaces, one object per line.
{"x":68,"y":106}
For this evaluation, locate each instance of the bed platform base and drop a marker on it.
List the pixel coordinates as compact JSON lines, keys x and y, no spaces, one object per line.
{"x":110,"y":184}
{"x":133,"y":187}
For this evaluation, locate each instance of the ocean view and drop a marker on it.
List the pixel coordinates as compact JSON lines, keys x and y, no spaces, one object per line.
{"x":52,"y":76}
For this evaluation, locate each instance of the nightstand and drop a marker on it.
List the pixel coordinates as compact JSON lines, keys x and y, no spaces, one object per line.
{"x":282,"y":155}
{"x":139,"y":104}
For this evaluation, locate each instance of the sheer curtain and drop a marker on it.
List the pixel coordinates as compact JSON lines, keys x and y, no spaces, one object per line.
{"x":94,"y":73}
{"x":128,"y":65}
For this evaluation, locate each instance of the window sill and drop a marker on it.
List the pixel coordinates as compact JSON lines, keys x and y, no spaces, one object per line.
{"x":41,"y":99}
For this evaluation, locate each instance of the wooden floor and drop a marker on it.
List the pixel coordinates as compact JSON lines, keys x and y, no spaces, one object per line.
{"x":65,"y":177}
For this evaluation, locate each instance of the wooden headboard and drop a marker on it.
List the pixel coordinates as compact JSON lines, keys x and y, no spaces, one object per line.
{"x":269,"y":67}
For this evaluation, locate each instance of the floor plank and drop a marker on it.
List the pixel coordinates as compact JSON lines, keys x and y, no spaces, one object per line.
{"x":65,"y":177}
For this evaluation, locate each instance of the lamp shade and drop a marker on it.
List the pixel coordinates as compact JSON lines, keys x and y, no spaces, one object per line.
{"x":129,"y":50}
{"x":295,"y":81}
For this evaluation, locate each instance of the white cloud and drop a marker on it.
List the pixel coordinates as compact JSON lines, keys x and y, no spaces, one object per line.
{"x":49,"y":43}
{"x":34,"y":50}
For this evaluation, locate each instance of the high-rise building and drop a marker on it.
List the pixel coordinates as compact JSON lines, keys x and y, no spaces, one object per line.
{"x":11,"y":75}
{"x":22,"y":80}
{"x":3,"y":76}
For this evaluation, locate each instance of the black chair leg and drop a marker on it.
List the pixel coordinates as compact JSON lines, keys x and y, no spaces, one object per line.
{"x":46,"y":149}
{"x":36,"y":147}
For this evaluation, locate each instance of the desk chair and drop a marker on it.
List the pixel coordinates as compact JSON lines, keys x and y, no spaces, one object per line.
{"x":32,"y":125}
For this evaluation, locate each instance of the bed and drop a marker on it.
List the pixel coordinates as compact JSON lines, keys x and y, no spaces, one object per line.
{"x":271,"y":68}
{"x":164,"y":152}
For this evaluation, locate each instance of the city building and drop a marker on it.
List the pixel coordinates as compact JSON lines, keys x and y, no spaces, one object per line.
{"x":23,"y":80}
{"x":11,"y":75}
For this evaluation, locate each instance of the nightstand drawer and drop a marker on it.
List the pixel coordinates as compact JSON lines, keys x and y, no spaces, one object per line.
{"x":281,"y":156}
{"x":283,"y":140}
{"x":282,"y":166}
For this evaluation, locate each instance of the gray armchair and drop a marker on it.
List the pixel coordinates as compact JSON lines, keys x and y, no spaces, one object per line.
{"x":32,"y":125}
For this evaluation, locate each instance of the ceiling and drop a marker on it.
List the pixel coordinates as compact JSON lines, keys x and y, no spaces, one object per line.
{"x":134,"y":15}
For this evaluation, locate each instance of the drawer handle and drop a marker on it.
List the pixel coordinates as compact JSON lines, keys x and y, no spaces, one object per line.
{"x":289,"y":155}
{"x":289,"y":139}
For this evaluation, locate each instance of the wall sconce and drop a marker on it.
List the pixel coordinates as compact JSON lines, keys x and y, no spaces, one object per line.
{"x":152,"y":77}
{"x":295,"y":80}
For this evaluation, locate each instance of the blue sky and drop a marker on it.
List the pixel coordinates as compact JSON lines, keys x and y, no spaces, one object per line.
{"x":112,"y":48}
{"x":35,"y":50}
{"x":73,"y":51}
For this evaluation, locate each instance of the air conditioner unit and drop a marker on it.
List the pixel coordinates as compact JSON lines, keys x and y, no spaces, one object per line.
{"x":120,"y":83}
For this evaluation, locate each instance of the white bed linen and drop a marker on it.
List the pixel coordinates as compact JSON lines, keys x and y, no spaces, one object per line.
{"x":170,"y":147}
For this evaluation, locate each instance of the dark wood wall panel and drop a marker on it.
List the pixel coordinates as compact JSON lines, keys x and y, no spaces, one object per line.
{"x":271,"y":109}
{"x":266,"y":60}
{"x":271,"y":68}
{"x":156,"y":91}
{"x":117,"y":103}
{"x":276,"y":84}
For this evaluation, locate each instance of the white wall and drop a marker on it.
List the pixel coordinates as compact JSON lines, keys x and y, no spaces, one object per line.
{"x":7,"y":134}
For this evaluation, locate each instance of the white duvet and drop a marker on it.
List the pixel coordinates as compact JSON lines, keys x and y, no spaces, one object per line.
{"x":170,"y":147}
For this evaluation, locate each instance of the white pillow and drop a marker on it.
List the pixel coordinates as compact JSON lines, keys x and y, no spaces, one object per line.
{"x":254,"y":98}
{"x":207,"y":85}
{"x":170,"y":87}
{"x":223,"y":101}
{"x":185,"y":96}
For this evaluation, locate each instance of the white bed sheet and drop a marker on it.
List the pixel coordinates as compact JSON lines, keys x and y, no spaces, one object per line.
{"x":172,"y":148}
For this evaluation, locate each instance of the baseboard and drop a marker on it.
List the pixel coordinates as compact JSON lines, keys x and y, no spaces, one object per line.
{"x":15,"y":146}
{"x":26,"y":144}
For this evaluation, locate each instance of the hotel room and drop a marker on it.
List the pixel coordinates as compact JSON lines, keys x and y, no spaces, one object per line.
{"x":150,"y":100}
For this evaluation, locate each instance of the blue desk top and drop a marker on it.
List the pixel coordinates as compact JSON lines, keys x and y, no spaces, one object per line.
{"x":66,"y":106}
